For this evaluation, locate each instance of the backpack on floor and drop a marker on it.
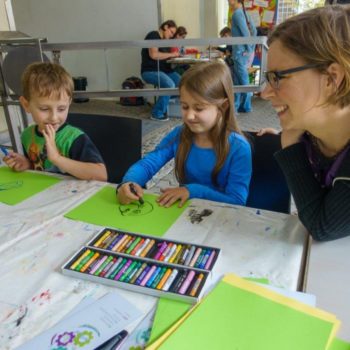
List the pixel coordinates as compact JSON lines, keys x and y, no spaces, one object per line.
{"x":132,"y":83}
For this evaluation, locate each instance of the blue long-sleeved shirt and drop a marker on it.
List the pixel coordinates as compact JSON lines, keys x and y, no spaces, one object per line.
{"x":239,"y":28}
{"x":233,"y":178}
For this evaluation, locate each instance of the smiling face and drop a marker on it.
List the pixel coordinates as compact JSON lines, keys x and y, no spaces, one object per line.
{"x":300,"y":95}
{"x":46,"y":110}
{"x":197,"y":114}
{"x":168,"y":32}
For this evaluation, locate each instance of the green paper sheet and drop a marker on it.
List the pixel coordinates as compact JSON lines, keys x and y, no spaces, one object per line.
{"x":338,"y":344}
{"x":104,"y":210}
{"x":168,"y":312}
{"x":233,"y":318}
{"x":15,"y":187}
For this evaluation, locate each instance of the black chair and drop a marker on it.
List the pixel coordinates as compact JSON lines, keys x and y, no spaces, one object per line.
{"x":118,"y":139}
{"x":268,"y":188}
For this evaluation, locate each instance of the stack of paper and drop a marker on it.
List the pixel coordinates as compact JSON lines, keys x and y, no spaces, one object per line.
{"x":239,"y":314}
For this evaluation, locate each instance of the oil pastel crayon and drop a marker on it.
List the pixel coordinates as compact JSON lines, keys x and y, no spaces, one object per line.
{"x":151,"y":250}
{"x":153,"y":276}
{"x":165,"y":252}
{"x":101,"y":239}
{"x":4,"y":150}
{"x":170,"y":253}
{"x":107,"y":241}
{"x":114,"y":266}
{"x":90,"y":262}
{"x":128,"y":271}
{"x":137,"y":246}
{"x":170,"y":280}
{"x":138,"y":273}
{"x":133,"y":245}
{"x":180,"y":254}
{"x":124,"y":243}
{"x":123,"y":269}
{"x":82,"y":256}
{"x":200,"y":258}
{"x":184,"y":255}
{"x":118,"y":237}
{"x":119,"y":267}
{"x":142,"y":247}
{"x":162,"y":248}
{"x":164,"y":278}
{"x":187,"y":282}
{"x":196,"y":285}
{"x":103,"y":265}
{"x":176,"y":253}
{"x":210,"y":260}
{"x":97,"y":266}
{"x":176,"y":286}
{"x":85,"y":260}
{"x":120,"y":243}
{"x":148,"y":275}
{"x":189,"y":255}
{"x":205,"y":259}
{"x":158,"y":278}
{"x":133,"y":272}
{"x":195,"y":256}
{"x":128,"y":244}
{"x":143,"y":274}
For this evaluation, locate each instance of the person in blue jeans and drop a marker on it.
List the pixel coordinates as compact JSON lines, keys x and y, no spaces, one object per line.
{"x":156,"y":71}
{"x":241,"y":26}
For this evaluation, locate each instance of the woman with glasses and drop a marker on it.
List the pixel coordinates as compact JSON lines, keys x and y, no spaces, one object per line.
{"x":156,"y":71}
{"x":308,"y":84}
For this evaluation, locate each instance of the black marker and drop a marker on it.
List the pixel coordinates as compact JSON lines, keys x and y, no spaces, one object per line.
{"x":133,"y":191}
{"x":115,"y":342}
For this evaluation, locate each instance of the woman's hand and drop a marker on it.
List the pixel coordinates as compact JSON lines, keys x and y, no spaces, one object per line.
{"x":126,"y":196}
{"x":17,"y":162}
{"x":170,"y":195}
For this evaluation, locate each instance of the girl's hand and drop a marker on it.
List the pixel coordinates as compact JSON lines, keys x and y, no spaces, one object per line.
{"x":290,"y":137}
{"x":170,"y":195}
{"x":17,"y":162}
{"x":51,"y":148}
{"x":126,"y":196}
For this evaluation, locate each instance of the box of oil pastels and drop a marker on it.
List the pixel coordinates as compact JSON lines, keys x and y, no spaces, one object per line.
{"x":145,"y":264}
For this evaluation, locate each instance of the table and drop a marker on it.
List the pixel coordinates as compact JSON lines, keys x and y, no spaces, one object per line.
{"x":329,"y":279}
{"x":35,"y":241}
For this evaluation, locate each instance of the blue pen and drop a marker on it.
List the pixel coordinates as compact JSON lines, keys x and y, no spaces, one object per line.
{"x":4,"y":150}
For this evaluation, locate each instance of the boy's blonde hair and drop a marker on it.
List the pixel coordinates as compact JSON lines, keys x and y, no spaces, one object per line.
{"x":321,"y":36}
{"x":212,"y":83}
{"x":46,"y":79}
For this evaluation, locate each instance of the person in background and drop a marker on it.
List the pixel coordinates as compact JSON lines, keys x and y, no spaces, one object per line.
{"x":227,"y":51}
{"x":242,"y":26}
{"x":212,"y":157}
{"x":51,"y":144}
{"x":156,"y":71}
{"x":180,"y":33}
{"x":308,"y":84}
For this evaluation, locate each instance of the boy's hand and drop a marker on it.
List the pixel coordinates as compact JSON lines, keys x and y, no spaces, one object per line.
{"x":170,"y":195}
{"x":17,"y":162}
{"x":51,"y":148}
{"x":125,"y":195}
{"x":264,"y":131}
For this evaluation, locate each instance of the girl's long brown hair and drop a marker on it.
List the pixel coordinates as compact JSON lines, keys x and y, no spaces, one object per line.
{"x":212,"y":83}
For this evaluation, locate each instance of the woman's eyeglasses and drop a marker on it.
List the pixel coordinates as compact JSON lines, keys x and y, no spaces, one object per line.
{"x":273,"y":77}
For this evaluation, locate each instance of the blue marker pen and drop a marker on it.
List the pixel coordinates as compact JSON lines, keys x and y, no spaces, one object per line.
{"x":4,"y":150}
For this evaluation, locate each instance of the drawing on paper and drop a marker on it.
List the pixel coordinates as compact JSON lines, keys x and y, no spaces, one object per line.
{"x":10,"y":185}
{"x":136,"y":209}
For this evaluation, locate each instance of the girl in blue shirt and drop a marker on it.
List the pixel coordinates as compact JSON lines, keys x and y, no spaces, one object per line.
{"x":212,"y":157}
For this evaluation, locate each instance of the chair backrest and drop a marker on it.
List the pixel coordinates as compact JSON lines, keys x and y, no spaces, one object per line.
{"x":118,"y":139}
{"x":268,"y":188}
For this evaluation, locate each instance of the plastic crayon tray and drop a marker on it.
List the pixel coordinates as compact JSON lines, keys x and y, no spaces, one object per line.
{"x":144,"y":264}
{"x":136,"y":274}
{"x":154,"y":248}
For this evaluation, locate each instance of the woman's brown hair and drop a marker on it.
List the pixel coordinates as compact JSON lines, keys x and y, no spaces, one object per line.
{"x":211,"y":83}
{"x":321,"y":36}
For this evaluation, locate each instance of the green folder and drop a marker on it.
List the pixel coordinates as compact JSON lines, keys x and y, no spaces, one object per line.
{"x":15,"y":187}
{"x":338,"y":344}
{"x":231,"y":317}
{"x":149,"y":218}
